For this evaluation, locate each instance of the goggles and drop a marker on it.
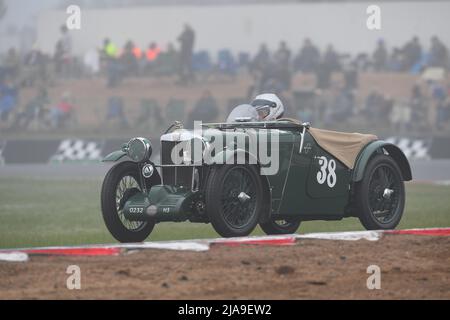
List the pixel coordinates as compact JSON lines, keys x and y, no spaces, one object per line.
{"x":263,"y":107}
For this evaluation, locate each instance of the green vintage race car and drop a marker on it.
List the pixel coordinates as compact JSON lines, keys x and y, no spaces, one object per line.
{"x":316,"y":175}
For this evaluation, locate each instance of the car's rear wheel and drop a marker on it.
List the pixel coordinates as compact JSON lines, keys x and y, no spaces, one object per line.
{"x":380,"y":196}
{"x":120,"y":184}
{"x":280,"y":226}
{"x":234,"y":199}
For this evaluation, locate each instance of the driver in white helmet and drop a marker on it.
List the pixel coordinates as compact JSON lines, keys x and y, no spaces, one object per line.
{"x":268,"y":106}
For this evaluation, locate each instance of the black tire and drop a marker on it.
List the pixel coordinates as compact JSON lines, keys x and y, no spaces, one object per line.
{"x":376,"y":209}
{"x":123,"y":230}
{"x":280,"y":226}
{"x":229,"y":215}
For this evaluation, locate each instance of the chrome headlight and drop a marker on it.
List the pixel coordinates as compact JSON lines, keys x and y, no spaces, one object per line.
{"x":139,"y":149}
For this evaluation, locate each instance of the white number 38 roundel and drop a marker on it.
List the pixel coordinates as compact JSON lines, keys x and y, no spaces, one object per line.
{"x":327,"y":172}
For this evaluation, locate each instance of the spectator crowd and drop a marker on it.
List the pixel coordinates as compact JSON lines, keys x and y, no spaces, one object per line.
{"x":271,"y":71}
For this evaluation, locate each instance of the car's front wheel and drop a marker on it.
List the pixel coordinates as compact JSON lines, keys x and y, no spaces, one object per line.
{"x":234,"y":199}
{"x":380,"y":196}
{"x":120,"y":184}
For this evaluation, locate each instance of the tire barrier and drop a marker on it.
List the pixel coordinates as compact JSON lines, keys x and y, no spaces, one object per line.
{"x":413,"y":148}
{"x":60,"y":151}
{"x":440,"y":148}
{"x":78,"y":150}
{"x":93,"y":150}
{"x":29,"y":151}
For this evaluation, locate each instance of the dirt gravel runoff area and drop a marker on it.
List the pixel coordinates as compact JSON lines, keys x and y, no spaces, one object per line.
{"x":416,"y":267}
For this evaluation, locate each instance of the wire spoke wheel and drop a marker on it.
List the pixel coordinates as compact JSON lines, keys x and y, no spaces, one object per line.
{"x":238,"y":197}
{"x":234,"y":199}
{"x":384,"y":193}
{"x":380,"y":195}
{"x":123,"y":192}
{"x":121,"y":183}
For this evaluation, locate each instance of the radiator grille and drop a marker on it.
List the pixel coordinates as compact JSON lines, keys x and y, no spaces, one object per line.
{"x":174,"y":176}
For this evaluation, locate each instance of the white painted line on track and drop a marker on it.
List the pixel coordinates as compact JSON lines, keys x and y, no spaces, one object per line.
{"x":346,"y":236}
{"x":14,"y":257}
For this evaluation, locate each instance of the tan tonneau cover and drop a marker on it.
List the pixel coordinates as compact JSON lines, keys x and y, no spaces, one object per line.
{"x":344,"y":146}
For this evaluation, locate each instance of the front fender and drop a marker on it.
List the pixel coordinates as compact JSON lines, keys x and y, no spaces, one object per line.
{"x":114,"y":156}
{"x":377,"y":147}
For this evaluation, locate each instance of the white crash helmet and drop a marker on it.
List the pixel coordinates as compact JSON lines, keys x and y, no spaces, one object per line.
{"x":243,"y":112}
{"x":268,"y":106}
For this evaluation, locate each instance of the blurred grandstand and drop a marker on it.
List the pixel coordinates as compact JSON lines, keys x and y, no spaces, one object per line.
{"x":122,"y":89}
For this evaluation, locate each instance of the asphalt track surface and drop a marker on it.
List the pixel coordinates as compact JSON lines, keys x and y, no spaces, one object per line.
{"x":423,"y":170}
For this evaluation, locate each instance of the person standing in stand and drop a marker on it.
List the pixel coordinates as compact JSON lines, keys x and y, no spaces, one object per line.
{"x":187,"y":41}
